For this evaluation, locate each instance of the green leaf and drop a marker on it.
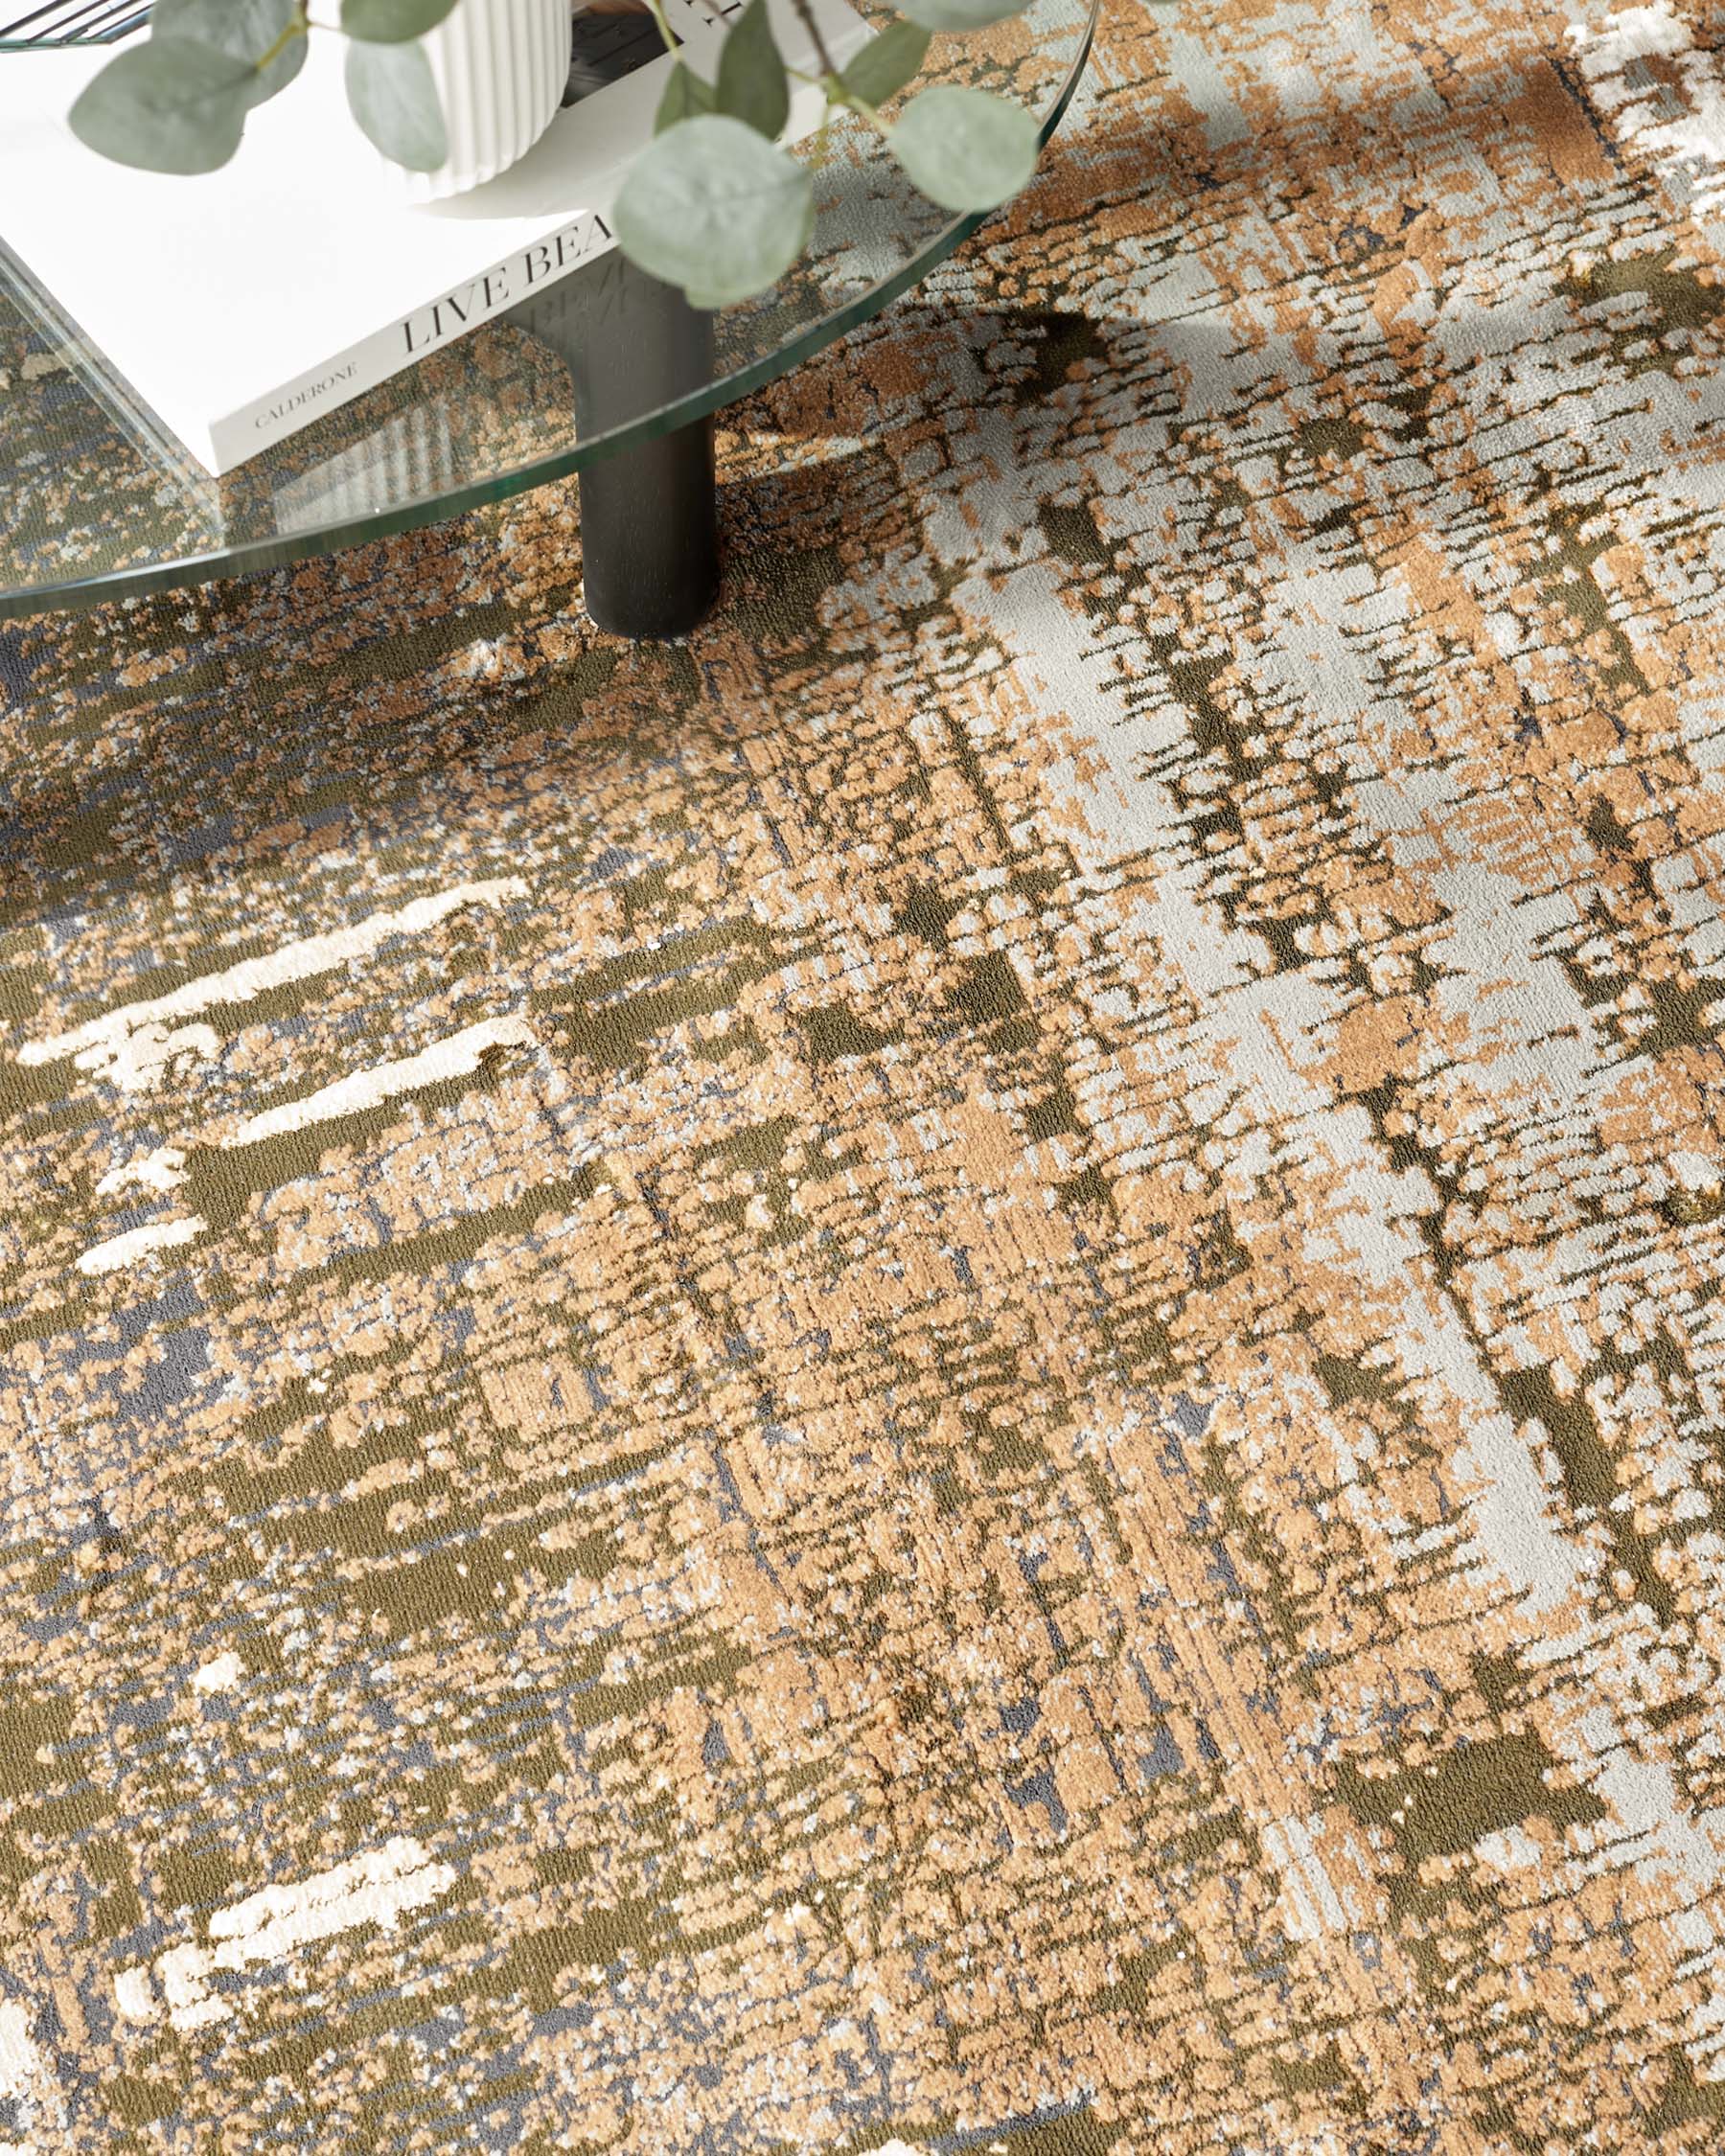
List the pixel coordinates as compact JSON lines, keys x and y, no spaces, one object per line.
{"x":712,"y":207}
{"x":752,"y":85}
{"x":168,"y":106}
{"x":392,"y":94}
{"x":960,"y":14}
{"x":965,"y":149}
{"x":245,"y":30}
{"x":885,"y":65}
{"x":392,"y":22}
{"x":685,"y":96}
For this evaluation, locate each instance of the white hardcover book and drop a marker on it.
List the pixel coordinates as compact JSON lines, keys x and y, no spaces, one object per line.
{"x":238,"y":306}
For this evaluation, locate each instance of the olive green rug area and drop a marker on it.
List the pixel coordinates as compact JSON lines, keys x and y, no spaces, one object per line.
{"x":945,"y":1375}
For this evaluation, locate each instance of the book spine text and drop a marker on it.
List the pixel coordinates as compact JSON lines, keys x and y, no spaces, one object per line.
{"x":270,"y":419}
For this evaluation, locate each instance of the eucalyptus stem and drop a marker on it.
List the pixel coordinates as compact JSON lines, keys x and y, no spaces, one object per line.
{"x":296,"y":26}
{"x":863,"y":109}
{"x":655,"y":9}
{"x":805,"y":14}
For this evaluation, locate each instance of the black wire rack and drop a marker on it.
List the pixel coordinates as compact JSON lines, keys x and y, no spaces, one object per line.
{"x":69,"y":22}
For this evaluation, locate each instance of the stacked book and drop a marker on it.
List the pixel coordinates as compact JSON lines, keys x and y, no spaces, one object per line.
{"x":237,"y":307}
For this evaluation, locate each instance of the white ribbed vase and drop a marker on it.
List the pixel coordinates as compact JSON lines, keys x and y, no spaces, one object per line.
{"x":500,"y":68}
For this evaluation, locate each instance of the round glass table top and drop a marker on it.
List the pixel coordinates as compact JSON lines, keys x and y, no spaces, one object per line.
{"x":96,"y":502}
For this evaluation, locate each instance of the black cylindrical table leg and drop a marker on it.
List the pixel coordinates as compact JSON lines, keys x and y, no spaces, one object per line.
{"x":650,"y":536}
{"x":648,"y":522}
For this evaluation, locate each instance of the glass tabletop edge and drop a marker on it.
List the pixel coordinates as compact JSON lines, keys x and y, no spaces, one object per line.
{"x":77,"y":594}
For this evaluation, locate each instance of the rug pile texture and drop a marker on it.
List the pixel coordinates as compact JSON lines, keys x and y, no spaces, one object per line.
{"x":945,"y":1374}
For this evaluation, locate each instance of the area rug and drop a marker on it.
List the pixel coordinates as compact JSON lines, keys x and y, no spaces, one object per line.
{"x":945,"y":1374}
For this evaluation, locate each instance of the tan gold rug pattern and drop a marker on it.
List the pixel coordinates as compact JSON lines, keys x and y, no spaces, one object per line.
{"x":945,"y":1375}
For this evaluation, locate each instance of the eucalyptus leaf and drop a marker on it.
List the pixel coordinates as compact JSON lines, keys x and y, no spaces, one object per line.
{"x":171,"y":105}
{"x":960,"y":14}
{"x":711,"y":206}
{"x":392,"y":22}
{"x":887,"y":62}
{"x":244,"y":29}
{"x":964,"y":148}
{"x":392,"y":95}
{"x":752,"y":85}
{"x":685,"y":96}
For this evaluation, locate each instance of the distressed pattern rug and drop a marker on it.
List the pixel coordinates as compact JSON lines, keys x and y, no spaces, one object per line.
{"x":944,"y":1375}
